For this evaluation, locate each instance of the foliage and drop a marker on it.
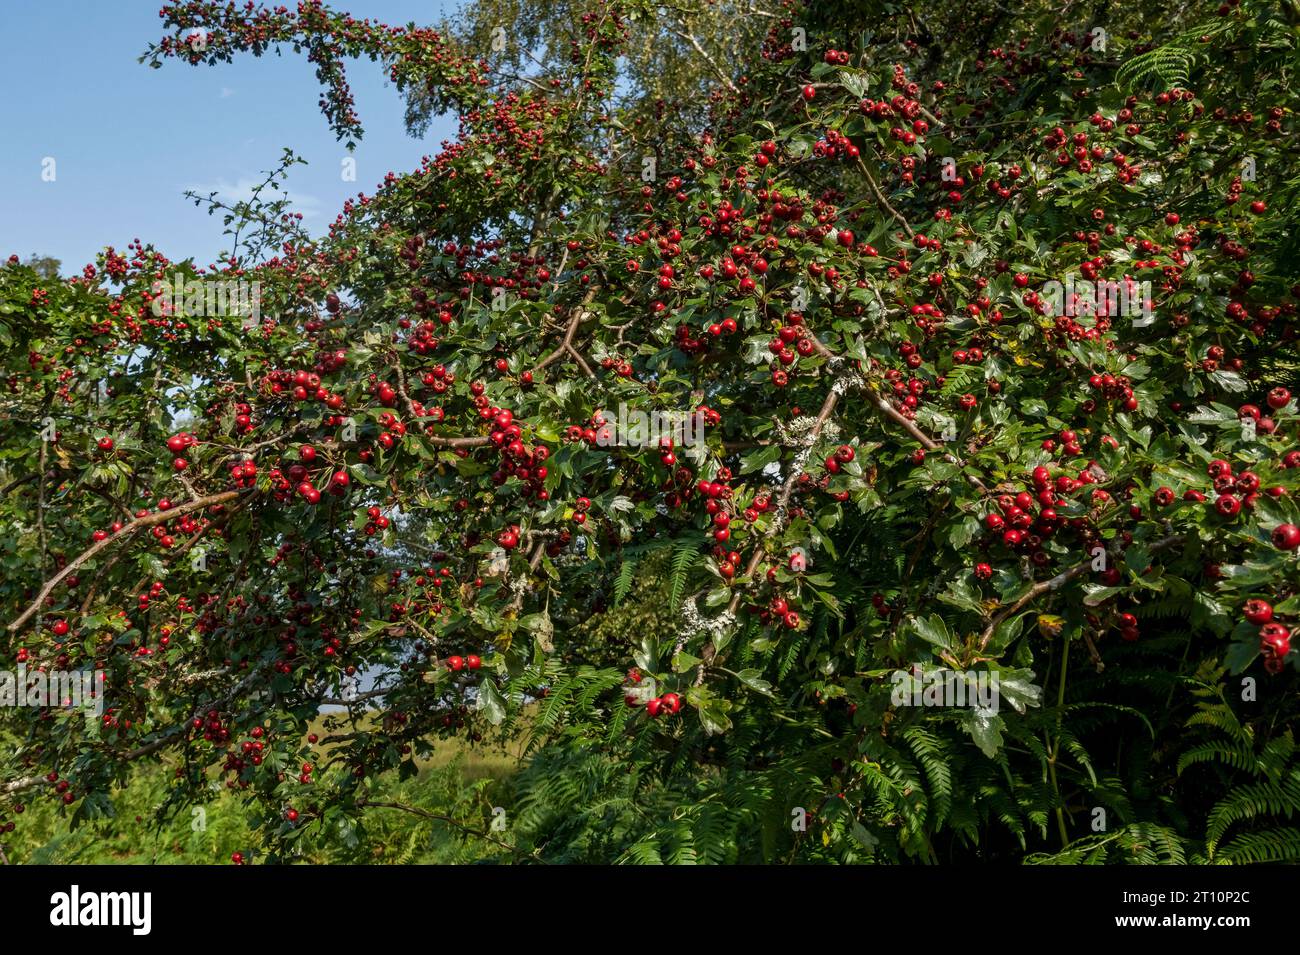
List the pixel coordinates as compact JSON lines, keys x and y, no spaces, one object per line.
{"x":918,"y":456}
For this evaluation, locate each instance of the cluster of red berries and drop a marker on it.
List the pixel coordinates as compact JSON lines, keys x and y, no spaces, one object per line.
{"x":620,"y":366}
{"x":717,"y":498}
{"x":438,"y":379}
{"x":842,"y":456}
{"x":211,"y":727}
{"x":665,"y":704}
{"x":249,"y":753}
{"x":589,"y":433}
{"x":1274,"y":636}
{"x":528,"y":465}
{"x":778,"y":611}
{"x":1128,"y":626}
{"x":296,"y":476}
{"x":178,"y":444}
{"x":1020,"y":528}
{"x":791,"y":342}
{"x":376,"y":521}
{"x":303,"y":385}
{"x":62,"y":787}
{"x":692,"y":344}
{"x":833,"y":144}
{"x":155,"y":591}
{"x":243,"y":474}
{"x":1112,"y":388}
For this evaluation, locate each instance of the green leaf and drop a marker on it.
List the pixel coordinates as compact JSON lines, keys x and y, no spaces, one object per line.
{"x":863,"y":836}
{"x":753,"y":679}
{"x":1017,"y":687}
{"x":1006,"y":631}
{"x":961,"y":593}
{"x":933,"y":630}
{"x":714,"y":718}
{"x":963,"y":532}
{"x":490,"y":703}
{"x":1241,"y":654}
{"x":985,"y":729}
{"x":1097,"y":594}
{"x":757,"y":460}
{"x":683,"y":661}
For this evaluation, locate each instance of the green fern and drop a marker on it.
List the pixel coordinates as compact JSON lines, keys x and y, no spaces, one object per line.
{"x":1271,"y":791}
{"x":1268,"y":846}
{"x":685,"y":554}
{"x":1251,"y":802}
{"x":934,"y":757}
{"x":1135,"y":844}
{"x":1171,"y":64}
{"x":623,"y":582}
{"x":714,"y":836}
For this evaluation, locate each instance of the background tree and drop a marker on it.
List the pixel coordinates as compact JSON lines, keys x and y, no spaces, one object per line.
{"x":44,"y":266}
{"x":921,"y":457}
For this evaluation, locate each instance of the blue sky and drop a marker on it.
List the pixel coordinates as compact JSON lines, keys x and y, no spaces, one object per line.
{"x":128,"y":140}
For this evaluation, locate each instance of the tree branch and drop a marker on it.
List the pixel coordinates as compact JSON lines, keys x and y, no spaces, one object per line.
{"x":1056,"y":583}
{"x":157,"y":517}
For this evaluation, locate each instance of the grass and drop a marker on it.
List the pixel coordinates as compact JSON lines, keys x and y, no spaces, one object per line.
{"x":457,"y":780}
{"x":478,"y":761}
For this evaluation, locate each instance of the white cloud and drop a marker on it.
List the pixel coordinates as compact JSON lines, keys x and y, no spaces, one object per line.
{"x":227,"y":92}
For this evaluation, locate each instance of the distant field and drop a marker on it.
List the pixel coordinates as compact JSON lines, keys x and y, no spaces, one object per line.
{"x":454,"y":781}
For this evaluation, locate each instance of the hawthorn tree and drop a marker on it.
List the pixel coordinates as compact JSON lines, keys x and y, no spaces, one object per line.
{"x":867,"y":267}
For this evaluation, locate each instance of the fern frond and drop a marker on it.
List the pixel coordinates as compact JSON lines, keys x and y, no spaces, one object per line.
{"x":1266,"y":846}
{"x":1172,"y":63}
{"x":1251,"y":801}
{"x":623,"y":582}
{"x":934,"y":758}
{"x":685,"y":554}
{"x":1233,"y":756}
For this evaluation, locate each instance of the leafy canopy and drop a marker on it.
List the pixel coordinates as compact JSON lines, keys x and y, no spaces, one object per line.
{"x":850,"y":238}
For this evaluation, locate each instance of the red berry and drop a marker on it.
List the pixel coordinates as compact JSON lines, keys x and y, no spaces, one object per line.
{"x":1274,"y":640}
{"x":1258,"y":612}
{"x":1286,"y":537}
